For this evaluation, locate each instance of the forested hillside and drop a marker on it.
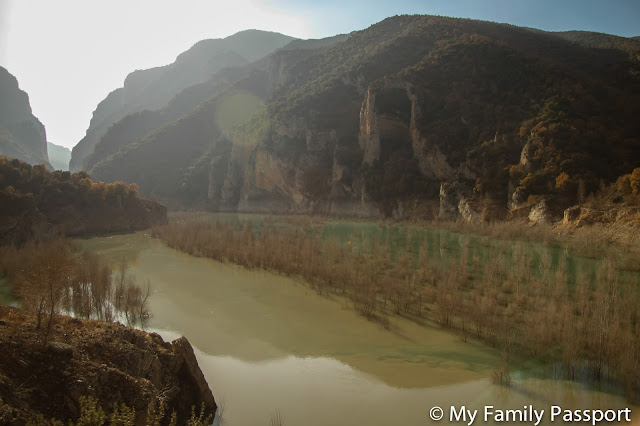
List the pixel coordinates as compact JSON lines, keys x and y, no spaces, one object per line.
{"x":416,"y":116}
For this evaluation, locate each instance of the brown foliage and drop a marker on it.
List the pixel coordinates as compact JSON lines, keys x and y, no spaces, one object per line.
{"x":509,"y":300}
{"x":49,"y":278}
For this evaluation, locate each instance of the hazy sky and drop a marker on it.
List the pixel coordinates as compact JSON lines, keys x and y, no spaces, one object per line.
{"x":69,"y":54}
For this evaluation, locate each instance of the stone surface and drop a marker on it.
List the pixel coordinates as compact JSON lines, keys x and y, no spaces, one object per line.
{"x":106,"y":361}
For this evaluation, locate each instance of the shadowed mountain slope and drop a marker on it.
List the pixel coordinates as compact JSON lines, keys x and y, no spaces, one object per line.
{"x":59,"y":156}
{"x":22,"y":135}
{"x":153,"y":88}
{"x":415,"y":116}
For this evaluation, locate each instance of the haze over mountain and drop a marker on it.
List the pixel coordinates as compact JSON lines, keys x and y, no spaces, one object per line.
{"x":59,"y":156}
{"x":416,"y":115}
{"x":153,"y":88}
{"x":22,"y":135}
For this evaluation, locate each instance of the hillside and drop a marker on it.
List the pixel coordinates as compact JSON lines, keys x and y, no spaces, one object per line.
{"x":152,"y":89}
{"x":59,"y":156}
{"x":416,"y":116}
{"x":37,"y":204}
{"x":22,"y":135}
{"x":136,"y":126}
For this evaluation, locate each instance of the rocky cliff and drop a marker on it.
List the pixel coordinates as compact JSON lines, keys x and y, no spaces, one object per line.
{"x":414,"y":116}
{"x":152,"y":89}
{"x":22,"y":135}
{"x":109,"y":362}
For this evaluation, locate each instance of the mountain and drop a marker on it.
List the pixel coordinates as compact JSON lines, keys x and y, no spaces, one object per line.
{"x":138,"y":125}
{"x":59,"y":156}
{"x":22,"y":135}
{"x":415,"y":116}
{"x":153,"y":88}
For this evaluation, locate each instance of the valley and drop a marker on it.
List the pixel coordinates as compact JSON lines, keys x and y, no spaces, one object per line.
{"x":268,"y":342}
{"x":422,"y":212}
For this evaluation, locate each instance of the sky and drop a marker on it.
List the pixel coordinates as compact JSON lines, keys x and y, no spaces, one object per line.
{"x":69,"y":54}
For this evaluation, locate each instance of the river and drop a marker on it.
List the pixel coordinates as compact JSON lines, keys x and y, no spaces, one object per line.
{"x":268,"y":343}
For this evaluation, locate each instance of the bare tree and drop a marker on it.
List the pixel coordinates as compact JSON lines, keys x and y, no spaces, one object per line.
{"x":44,"y":280}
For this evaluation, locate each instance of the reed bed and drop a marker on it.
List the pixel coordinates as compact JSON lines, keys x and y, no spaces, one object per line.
{"x":526,"y":305}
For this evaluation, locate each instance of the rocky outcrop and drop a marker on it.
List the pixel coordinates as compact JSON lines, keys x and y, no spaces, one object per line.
{"x":539,"y":213}
{"x":454,"y":204}
{"x":112,"y":363}
{"x":22,"y":135}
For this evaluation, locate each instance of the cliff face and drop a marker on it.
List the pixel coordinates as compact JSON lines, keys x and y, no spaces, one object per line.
{"x":22,"y":135}
{"x":414,"y":116}
{"x":152,"y":89}
{"x":109,"y":362}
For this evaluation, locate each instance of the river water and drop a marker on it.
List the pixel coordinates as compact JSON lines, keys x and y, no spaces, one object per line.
{"x":268,"y":343}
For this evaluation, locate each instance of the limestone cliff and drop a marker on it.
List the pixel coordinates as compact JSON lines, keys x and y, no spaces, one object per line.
{"x":416,"y":116}
{"x":22,"y":135}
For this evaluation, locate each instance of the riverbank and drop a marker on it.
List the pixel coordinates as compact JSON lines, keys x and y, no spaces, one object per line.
{"x":267,"y":342}
{"x":109,"y":362}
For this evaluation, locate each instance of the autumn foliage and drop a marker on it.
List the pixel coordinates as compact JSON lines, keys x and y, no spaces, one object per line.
{"x":36,"y":204}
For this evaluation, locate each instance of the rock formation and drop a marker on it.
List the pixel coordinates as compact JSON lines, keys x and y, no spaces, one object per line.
{"x":414,"y":116}
{"x":22,"y":135}
{"x":112,"y":363}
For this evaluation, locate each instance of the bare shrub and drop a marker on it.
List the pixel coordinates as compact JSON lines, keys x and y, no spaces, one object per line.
{"x":49,"y":278}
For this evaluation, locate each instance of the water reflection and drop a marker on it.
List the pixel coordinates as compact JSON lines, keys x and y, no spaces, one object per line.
{"x":266,"y":342}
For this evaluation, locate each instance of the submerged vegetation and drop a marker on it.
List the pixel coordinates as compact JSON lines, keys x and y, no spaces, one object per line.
{"x":49,"y":278}
{"x":531,"y":304}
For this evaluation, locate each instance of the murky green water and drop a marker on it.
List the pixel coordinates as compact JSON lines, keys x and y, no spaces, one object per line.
{"x":6,"y":298}
{"x":267,"y":342}
{"x":442,"y":247}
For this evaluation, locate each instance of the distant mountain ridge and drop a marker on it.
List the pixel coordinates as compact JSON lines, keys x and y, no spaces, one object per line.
{"x":59,"y":156}
{"x":416,"y":116}
{"x":22,"y":135}
{"x":153,"y":88}
{"x":137,"y":125}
